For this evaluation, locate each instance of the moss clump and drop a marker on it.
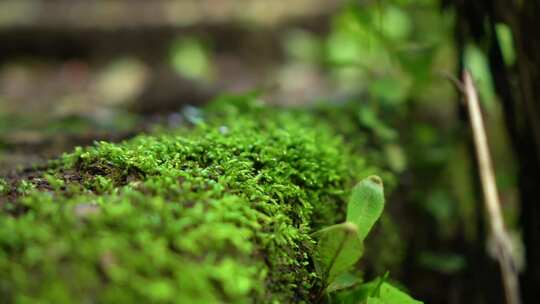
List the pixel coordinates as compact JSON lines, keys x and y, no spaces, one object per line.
{"x":221,"y":212}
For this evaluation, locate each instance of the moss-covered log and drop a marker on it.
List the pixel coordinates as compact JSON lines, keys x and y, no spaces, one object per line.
{"x":218,"y":212}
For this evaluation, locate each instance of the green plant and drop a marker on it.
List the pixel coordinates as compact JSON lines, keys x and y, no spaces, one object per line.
{"x":220,"y":212}
{"x":340,"y":246}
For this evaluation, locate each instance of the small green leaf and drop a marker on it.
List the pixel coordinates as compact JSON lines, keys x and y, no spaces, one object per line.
{"x":343,"y":281}
{"x":388,"y":294}
{"x":375,"y":292}
{"x":338,"y":249}
{"x":366,"y":204}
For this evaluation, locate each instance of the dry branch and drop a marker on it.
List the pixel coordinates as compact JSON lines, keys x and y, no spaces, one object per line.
{"x":491,"y":198}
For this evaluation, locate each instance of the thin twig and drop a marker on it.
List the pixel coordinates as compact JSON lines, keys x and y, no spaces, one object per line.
{"x":491,"y":198}
{"x":453,"y":79}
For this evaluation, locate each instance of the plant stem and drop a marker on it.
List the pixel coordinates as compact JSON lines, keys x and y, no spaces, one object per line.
{"x":491,"y":198}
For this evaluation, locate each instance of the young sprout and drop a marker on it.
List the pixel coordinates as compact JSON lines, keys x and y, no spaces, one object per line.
{"x":340,"y":246}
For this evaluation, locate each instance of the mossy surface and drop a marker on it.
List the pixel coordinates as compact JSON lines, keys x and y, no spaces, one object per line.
{"x":218,"y":212}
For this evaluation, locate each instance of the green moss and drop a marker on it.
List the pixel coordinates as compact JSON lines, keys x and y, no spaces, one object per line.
{"x":4,"y":187}
{"x":220,"y":212}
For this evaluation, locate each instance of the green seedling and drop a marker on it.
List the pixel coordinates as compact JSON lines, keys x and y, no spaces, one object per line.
{"x":339,"y":247}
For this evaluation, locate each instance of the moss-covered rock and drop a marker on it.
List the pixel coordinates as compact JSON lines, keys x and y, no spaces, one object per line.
{"x":218,"y":212}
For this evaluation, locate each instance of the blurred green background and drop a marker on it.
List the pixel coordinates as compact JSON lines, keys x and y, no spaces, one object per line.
{"x":72,"y":72}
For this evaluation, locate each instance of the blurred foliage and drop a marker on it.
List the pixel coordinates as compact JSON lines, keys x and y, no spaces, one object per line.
{"x":396,"y":56}
{"x":190,"y":57}
{"x":504,"y":34}
{"x":392,"y":59}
